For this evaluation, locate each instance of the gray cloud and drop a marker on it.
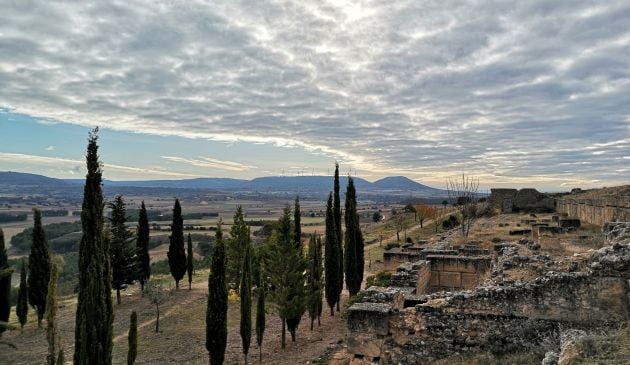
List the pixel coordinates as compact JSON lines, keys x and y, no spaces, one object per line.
{"x":516,"y":92}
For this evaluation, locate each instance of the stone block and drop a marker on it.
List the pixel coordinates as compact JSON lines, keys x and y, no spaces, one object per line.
{"x":450,"y":279}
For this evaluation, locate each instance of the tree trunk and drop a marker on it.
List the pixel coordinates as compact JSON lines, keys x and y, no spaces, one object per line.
{"x":39,"y":320}
{"x":176,"y":284}
{"x":142,"y":286}
{"x":332,"y":311}
{"x":292,"y":332}
{"x":338,"y":304}
{"x":259,"y":353}
{"x":189,"y":285}
{"x":117,"y":296}
{"x":283,"y":333}
{"x":318,"y":322}
{"x":312,"y":320}
{"x":157,"y":322}
{"x":397,"y":235}
{"x":245,"y":358}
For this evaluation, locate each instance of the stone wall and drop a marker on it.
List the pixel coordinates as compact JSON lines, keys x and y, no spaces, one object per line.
{"x":523,"y":316}
{"x":457,"y":272}
{"x":524,"y":200}
{"x":595,"y":211}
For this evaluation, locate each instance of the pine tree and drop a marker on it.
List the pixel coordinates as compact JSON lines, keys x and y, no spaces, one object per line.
{"x":314,"y":279}
{"x":142,"y":246}
{"x":132,"y":339}
{"x":95,"y":313}
{"x":122,"y":253}
{"x":189,"y":262}
{"x":39,"y":268}
{"x":260,"y":315}
{"x":237,"y":244}
{"x":5,"y":285}
{"x":286,"y":268}
{"x":216,"y":314}
{"x":176,"y":253}
{"x":297,"y":224}
{"x":52,"y":333}
{"x":331,"y":263}
{"x":354,"y":258}
{"x":21,"y":308}
{"x":246,"y":302}
{"x":338,"y":232}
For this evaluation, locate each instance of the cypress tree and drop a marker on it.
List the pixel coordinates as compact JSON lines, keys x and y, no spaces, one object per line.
{"x":21,"y":308}
{"x":286,"y":271}
{"x":237,"y":244}
{"x":338,"y":232}
{"x":176,"y":253}
{"x":354,"y":258}
{"x":297,"y":224}
{"x":142,"y":247}
{"x":246,"y":303}
{"x":331,"y":260}
{"x":122,"y":254}
{"x":216,"y":314}
{"x":189,"y":262}
{"x":314,"y":279}
{"x":260,"y":316}
{"x":52,"y":333}
{"x":132,"y":338}
{"x":39,"y":268}
{"x":95,"y":314}
{"x":5,"y":284}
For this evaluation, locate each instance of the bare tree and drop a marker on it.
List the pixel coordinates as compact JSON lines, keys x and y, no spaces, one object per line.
{"x":158,"y":295}
{"x":463,"y":195}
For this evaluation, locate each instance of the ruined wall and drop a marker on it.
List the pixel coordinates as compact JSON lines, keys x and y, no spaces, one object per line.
{"x":524,"y":200}
{"x":595,"y":211}
{"x":457,"y":272}
{"x":522,"y":316}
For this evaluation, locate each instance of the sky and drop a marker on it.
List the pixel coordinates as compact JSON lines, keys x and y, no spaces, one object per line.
{"x":522,"y":94}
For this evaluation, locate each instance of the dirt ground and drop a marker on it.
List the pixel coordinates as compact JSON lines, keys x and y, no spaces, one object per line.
{"x":182,"y":333}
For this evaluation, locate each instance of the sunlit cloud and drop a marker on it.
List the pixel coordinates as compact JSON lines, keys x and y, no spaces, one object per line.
{"x":518,"y":93}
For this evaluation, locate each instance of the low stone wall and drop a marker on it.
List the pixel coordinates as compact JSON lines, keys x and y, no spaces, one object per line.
{"x":595,"y":211}
{"x":457,"y":272}
{"x":523,"y":316}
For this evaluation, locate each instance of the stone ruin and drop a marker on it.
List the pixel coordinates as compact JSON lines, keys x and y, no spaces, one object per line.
{"x":523,"y":200}
{"x":413,"y":322}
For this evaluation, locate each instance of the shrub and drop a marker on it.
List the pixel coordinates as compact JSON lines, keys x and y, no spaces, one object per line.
{"x":450,"y":222}
{"x":382,"y":278}
{"x":391,"y":245}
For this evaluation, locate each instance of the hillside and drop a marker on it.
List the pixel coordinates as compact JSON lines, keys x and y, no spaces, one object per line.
{"x":399,"y":185}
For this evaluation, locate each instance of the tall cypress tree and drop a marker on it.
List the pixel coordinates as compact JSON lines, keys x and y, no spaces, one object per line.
{"x":297,"y":224}
{"x":143,"y":260}
{"x":5,"y":285}
{"x":122,"y":253}
{"x":338,"y":231}
{"x":95,"y":313}
{"x":260,"y":315}
{"x":239,"y":239}
{"x":314,"y":279}
{"x":216,"y":313}
{"x":132,"y":339}
{"x":354,"y":257}
{"x":39,"y":268}
{"x":189,"y":262}
{"x":21,"y":308}
{"x":246,"y":302}
{"x":176,"y":252}
{"x":331,"y":259}
{"x":285,"y":267}
{"x":52,"y":333}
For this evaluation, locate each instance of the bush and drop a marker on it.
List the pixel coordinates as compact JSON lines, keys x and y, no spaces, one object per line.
{"x":357,"y":298}
{"x":391,"y":245}
{"x":382,"y":278}
{"x":451,"y":222}
{"x":55,"y":213}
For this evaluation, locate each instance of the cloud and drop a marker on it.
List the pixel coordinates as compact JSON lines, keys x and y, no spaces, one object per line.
{"x":423,"y":88}
{"x":75,"y":166}
{"x":210,"y":163}
{"x":50,"y":148}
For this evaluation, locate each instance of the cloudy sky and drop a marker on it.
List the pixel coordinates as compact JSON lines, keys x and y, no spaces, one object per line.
{"x":519,"y":93}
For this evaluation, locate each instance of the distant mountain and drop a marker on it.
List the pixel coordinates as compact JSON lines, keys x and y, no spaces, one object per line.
{"x":396,"y":185}
{"x":24,"y":179}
